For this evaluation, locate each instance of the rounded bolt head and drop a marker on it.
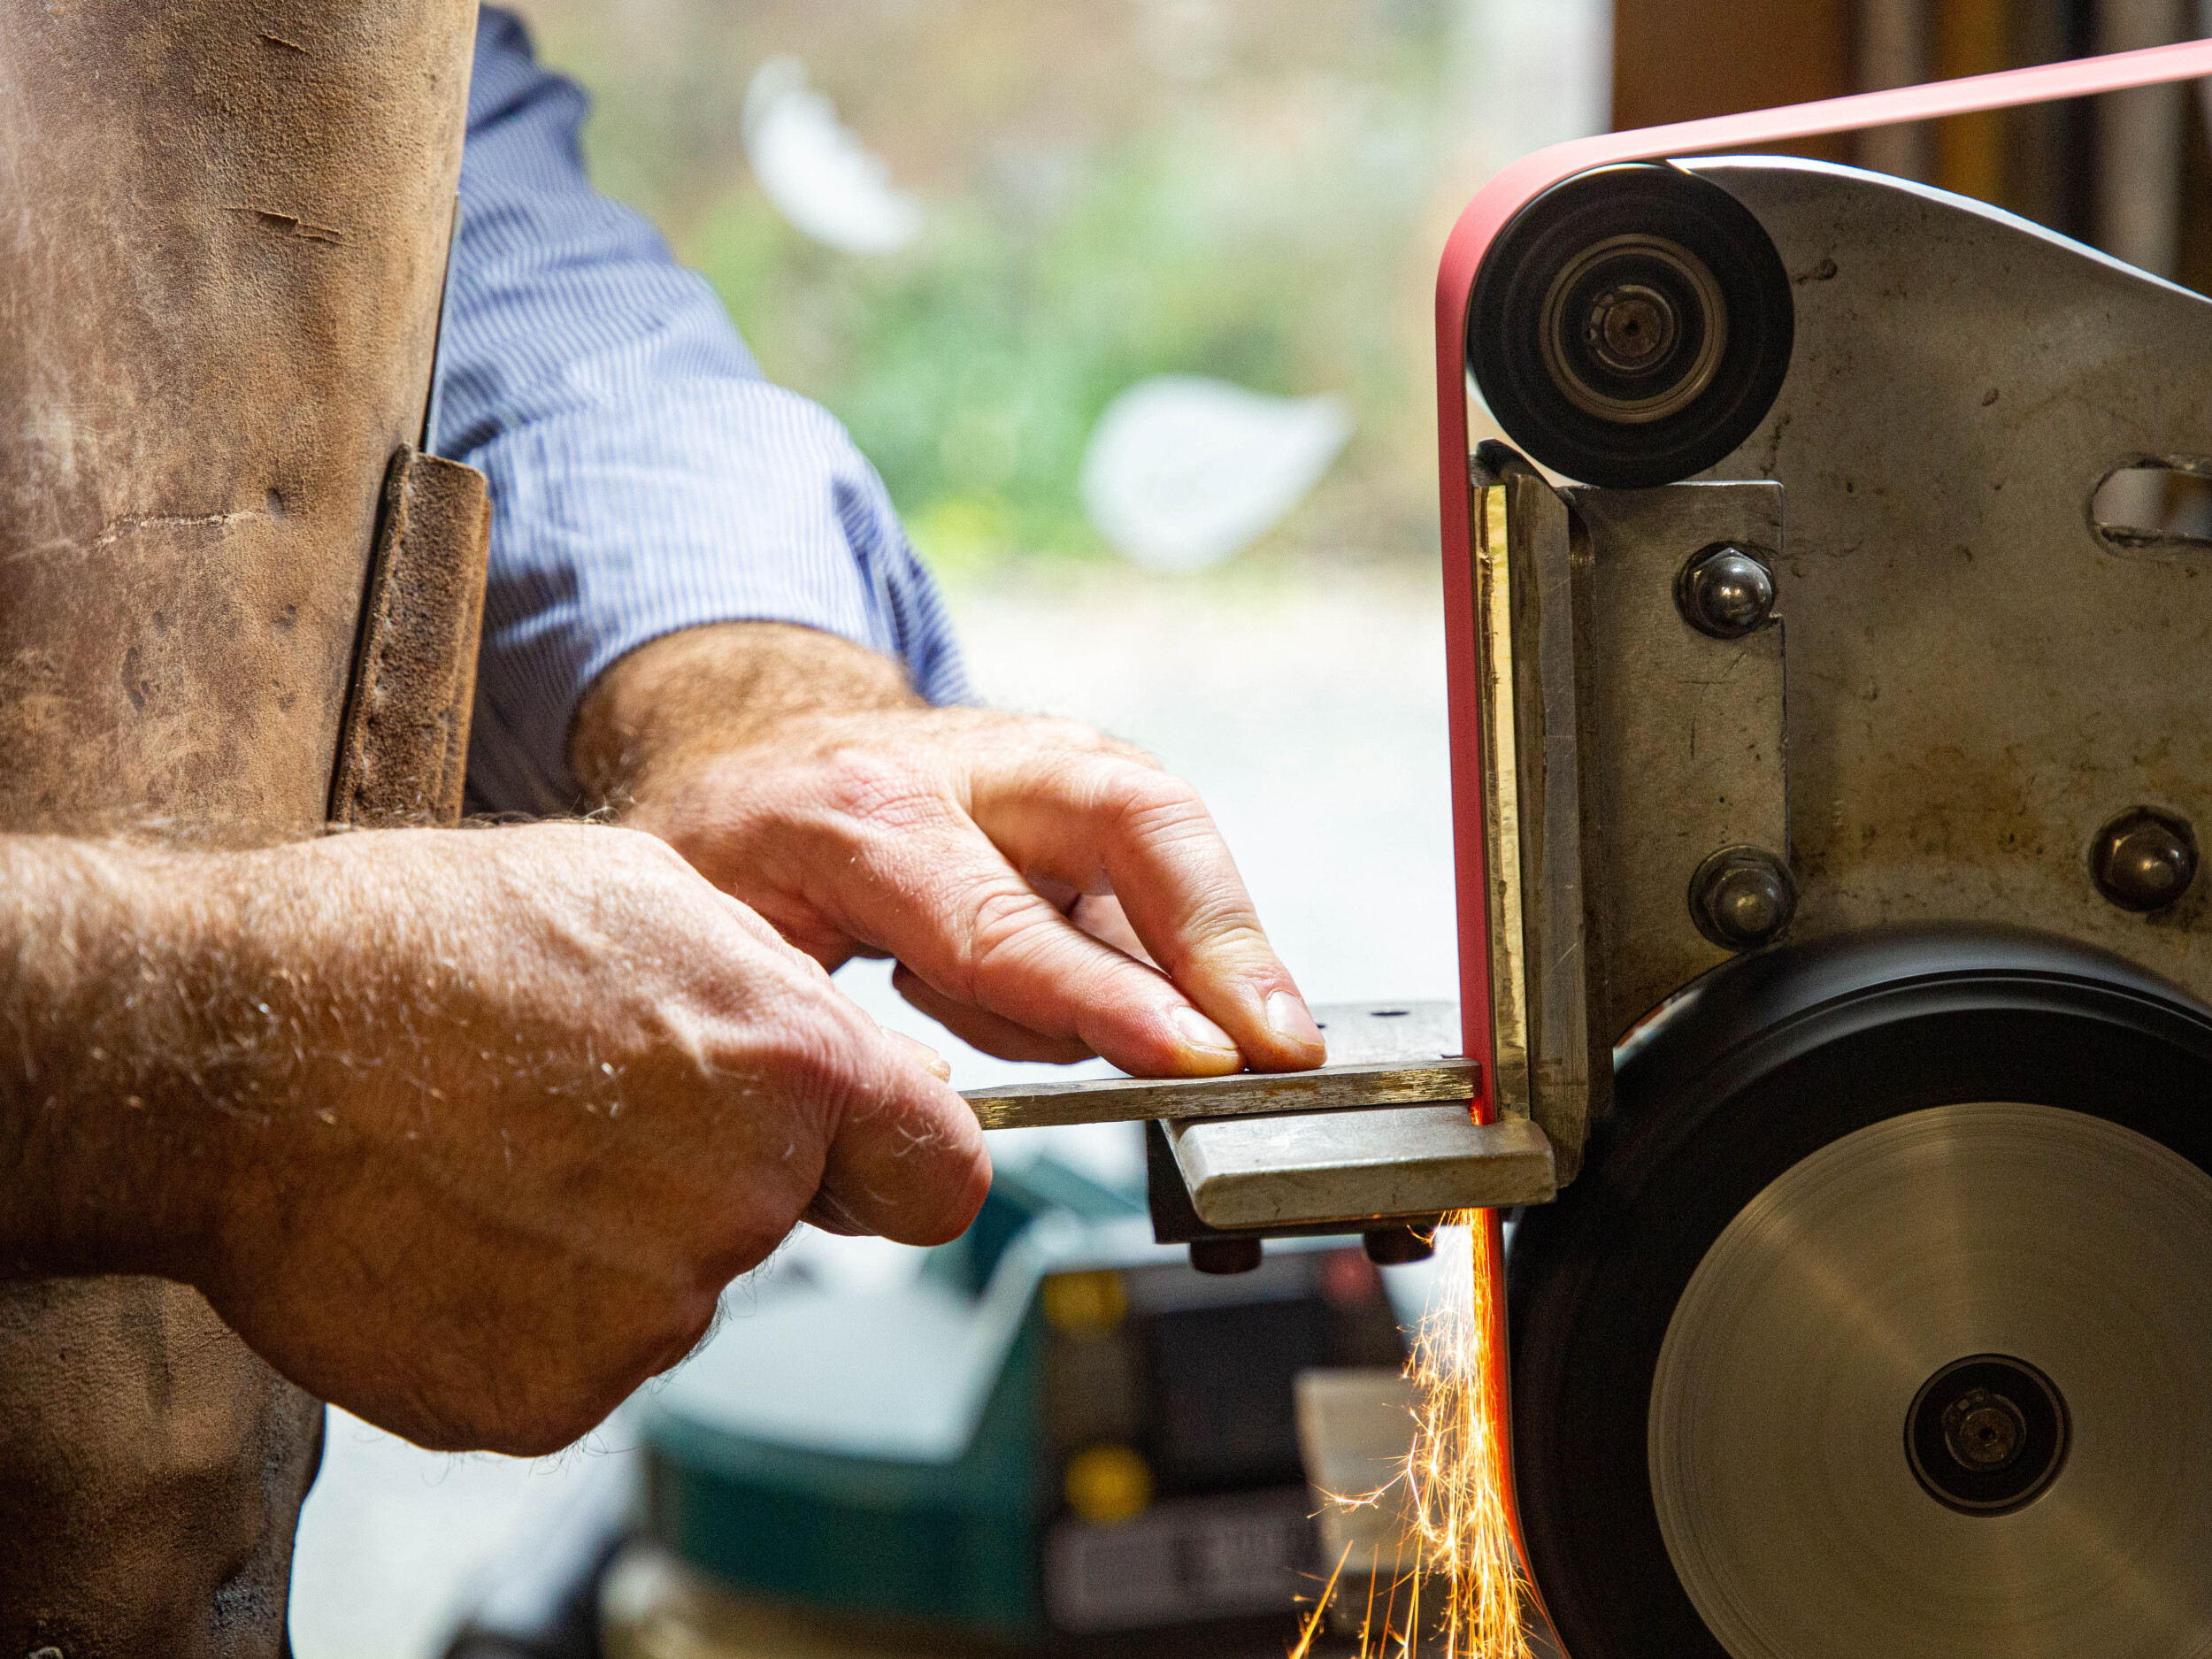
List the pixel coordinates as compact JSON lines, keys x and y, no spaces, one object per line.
{"x":2143,"y":859}
{"x":1726,"y":590}
{"x":1742,"y":898}
{"x":1395,"y":1246}
{"x":1225,"y":1255}
{"x":1983,"y":1431}
{"x":1631,"y":327}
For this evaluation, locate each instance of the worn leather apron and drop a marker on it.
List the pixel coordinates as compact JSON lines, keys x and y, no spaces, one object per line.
{"x":232,"y":601}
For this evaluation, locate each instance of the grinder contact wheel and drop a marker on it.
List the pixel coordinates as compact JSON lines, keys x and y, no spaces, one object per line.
{"x":1879,"y":1325}
{"x":1631,"y":326}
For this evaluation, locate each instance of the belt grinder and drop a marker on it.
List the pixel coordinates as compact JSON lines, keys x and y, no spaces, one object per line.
{"x":1830,"y":935}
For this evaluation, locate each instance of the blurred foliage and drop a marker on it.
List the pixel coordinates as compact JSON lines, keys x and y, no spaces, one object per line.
{"x":1116,"y":189}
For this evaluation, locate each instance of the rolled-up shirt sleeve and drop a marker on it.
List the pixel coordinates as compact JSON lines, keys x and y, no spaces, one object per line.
{"x":644,"y":477}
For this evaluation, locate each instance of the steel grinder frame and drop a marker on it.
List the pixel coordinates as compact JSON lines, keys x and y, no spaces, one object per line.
{"x":1478,"y":230}
{"x":1538,"y":1015}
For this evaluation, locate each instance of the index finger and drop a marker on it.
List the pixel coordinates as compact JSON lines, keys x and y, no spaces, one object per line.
{"x":1111,"y":820}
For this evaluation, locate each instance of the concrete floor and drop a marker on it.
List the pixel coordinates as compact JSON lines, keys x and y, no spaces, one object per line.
{"x":1308,"y":704}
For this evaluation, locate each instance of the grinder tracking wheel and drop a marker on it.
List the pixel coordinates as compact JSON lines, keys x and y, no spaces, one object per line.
{"x":1880,"y":1324}
{"x":1631,"y":325}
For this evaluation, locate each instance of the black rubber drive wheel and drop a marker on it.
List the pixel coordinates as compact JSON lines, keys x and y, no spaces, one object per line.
{"x":1782,"y":1064}
{"x":1631,"y":326}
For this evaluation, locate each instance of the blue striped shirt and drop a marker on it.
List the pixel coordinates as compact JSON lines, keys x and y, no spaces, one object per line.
{"x":644,"y":476}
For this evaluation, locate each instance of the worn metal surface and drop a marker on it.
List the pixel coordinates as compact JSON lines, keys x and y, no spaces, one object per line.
{"x":1224,"y":1178}
{"x":1311,"y":1172}
{"x":1688,"y":756}
{"x":1497,"y":697}
{"x":1547,"y":960}
{"x":1334,"y":1088}
{"x":1251,"y":1173}
{"x":1979,"y":679}
{"x":1404,"y":1032}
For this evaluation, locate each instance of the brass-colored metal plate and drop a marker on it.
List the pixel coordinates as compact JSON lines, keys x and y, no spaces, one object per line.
{"x":1334,"y":1088}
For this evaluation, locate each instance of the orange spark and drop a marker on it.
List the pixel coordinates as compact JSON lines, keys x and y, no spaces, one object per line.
{"x":1457,"y":1485}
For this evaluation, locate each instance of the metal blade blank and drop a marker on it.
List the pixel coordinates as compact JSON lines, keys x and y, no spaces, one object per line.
{"x":1239,"y":1095}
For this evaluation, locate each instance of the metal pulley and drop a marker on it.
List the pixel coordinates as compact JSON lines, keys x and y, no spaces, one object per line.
{"x":1631,"y":325}
{"x":1878,"y":1322}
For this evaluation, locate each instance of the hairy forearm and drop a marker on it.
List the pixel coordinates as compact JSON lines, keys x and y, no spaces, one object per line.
{"x":171,"y":1017}
{"x":113,"y":957}
{"x":705,"y":691}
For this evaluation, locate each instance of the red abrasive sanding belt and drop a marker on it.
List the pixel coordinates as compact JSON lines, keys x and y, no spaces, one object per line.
{"x":1488,"y":214}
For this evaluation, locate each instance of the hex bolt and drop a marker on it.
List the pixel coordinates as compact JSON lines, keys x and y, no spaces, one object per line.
{"x":1742,"y":898}
{"x":1225,"y":1255}
{"x":1395,"y":1246}
{"x":1726,"y":589}
{"x":2143,"y":859}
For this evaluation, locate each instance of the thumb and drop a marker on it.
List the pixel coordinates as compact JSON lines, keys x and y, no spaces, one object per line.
{"x":908,"y":1160}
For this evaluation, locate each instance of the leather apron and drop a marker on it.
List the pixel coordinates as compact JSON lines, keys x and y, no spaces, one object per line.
{"x":233,"y":600}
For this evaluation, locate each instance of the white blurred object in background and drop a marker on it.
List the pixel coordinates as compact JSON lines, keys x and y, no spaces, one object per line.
{"x":817,"y":171}
{"x":1182,"y":471}
{"x":1524,"y":73}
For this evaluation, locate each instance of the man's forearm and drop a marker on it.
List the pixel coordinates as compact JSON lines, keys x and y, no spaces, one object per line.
{"x":111,"y":954}
{"x":709,"y":690}
{"x":466,"y":1131}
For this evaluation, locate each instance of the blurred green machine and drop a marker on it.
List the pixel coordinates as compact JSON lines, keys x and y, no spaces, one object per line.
{"x":1059,"y":1431}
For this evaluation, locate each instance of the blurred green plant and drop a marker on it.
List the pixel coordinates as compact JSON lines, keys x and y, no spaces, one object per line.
{"x":1260,"y":227}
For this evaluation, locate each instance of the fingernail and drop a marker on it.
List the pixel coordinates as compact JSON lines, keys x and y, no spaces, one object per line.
{"x":930,"y":1059}
{"x":1201,"y":1033}
{"x":1288,"y":1016}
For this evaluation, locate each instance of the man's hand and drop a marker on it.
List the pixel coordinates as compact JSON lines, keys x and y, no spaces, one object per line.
{"x":464,"y":1130}
{"x":1028,"y":874}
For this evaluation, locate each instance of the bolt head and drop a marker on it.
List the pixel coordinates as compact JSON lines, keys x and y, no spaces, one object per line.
{"x":1631,"y":327}
{"x":2145,"y":859}
{"x":1727,"y":590}
{"x":1742,"y":898}
{"x":1983,"y":1431}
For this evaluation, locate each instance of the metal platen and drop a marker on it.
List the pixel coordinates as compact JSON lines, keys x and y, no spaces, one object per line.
{"x":1382,"y":1141}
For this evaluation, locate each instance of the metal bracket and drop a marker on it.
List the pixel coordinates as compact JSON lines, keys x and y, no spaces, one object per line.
{"x":1689,"y":758}
{"x":1626,"y":744}
{"x":1222,"y":1178}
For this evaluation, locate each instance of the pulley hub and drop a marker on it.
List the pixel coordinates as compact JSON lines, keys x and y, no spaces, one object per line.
{"x":1634,"y":327}
{"x":1986,"y":1434}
